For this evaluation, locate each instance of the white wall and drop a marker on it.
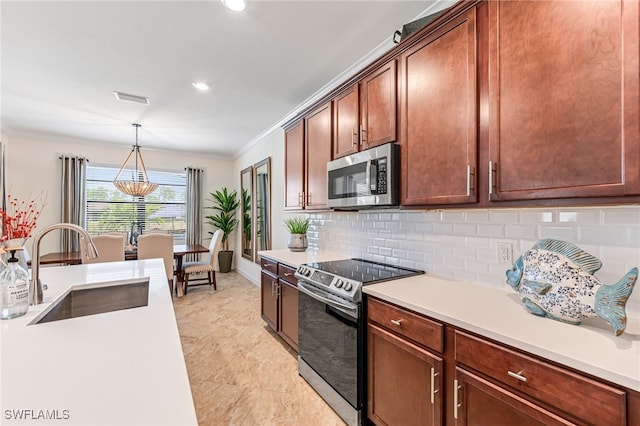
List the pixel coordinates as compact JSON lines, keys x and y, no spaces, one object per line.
{"x":33,"y":166}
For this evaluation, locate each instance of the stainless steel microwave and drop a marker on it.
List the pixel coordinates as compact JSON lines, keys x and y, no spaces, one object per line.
{"x":365,"y":179}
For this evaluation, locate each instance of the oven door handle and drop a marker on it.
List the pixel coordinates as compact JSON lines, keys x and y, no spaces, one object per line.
{"x":348,"y":309}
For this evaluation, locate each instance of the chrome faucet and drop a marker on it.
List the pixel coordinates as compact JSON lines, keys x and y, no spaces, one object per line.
{"x":35,"y":285}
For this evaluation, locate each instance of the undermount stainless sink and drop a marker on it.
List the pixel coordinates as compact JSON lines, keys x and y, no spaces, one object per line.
{"x":97,"y":299}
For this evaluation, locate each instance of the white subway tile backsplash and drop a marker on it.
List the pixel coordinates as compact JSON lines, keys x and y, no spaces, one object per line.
{"x":534,"y":217}
{"x":566,"y":233}
{"x":610,"y":235}
{"x":461,"y":244}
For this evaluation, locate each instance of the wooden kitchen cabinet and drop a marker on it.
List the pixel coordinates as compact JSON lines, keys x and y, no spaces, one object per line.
{"x":308,"y":149}
{"x":318,"y":149}
{"x":475,"y":381}
{"x":378,"y":106}
{"x":294,"y":166}
{"x":439,"y":116}
{"x":288,"y":305}
{"x":563,"y":93}
{"x":269,"y":299}
{"x":346,"y":122}
{"x":364,"y":115}
{"x":279,"y":300}
{"x":404,"y":377}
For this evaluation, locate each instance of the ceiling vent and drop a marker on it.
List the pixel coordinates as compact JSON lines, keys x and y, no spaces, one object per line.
{"x":131,"y":98}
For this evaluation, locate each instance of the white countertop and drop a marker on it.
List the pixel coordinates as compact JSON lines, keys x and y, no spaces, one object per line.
{"x":296,"y":259}
{"x":498,"y":314}
{"x":118,"y":368}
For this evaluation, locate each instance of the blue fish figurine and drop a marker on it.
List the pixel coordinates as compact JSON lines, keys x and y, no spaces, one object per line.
{"x":555,"y":280}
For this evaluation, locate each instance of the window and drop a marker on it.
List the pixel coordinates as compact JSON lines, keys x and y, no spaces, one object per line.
{"x":109,"y":210}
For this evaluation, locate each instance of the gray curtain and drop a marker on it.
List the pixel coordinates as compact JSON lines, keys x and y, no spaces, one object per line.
{"x":194,"y":207}
{"x":74,"y":174}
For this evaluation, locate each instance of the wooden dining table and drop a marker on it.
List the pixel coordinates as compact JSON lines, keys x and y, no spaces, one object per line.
{"x":179,"y":252}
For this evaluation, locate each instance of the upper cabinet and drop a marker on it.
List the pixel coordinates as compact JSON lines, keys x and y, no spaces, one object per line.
{"x":439,"y":116}
{"x":378,"y":106}
{"x":294,"y":166}
{"x":364,"y":115}
{"x":307,"y":152}
{"x":318,"y":129}
{"x":346,"y":122}
{"x":563,"y":99}
{"x":493,"y":103}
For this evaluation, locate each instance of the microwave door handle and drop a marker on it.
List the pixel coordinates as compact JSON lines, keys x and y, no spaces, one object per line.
{"x":368,"y":176}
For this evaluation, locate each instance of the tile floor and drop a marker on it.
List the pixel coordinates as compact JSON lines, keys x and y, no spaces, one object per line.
{"x":241,"y":373}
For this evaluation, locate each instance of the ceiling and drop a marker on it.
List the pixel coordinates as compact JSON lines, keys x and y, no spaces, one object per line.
{"x":62,"y":60}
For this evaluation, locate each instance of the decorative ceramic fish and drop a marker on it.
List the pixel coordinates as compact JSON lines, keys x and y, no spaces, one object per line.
{"x":555,"y":279}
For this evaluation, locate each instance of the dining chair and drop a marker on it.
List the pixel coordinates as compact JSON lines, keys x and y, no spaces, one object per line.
{"x":208,"y":265}
{"x":154,"y":245}
{"x":110,"y":249}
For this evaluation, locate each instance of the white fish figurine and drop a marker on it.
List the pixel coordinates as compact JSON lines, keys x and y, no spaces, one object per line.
{"x":555,"y":280}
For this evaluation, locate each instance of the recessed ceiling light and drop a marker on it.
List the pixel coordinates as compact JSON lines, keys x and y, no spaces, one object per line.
{"x":131,"y":98}
{"x":203,"y":87}
{"x":235,"y":5}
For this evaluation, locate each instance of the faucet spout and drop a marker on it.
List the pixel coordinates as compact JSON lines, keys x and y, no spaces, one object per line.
{"x":35,"y":285}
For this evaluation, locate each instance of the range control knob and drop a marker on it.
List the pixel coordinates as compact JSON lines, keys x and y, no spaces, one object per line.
{"x":339,"y":283}
{"x":348,"y":286}
{"x":307,"y":272}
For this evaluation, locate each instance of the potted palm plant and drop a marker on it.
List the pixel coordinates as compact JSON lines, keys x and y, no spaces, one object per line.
{"x":225,"y":203}
{"x":297,"y":227}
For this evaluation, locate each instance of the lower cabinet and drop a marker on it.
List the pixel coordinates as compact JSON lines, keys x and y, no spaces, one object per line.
{"x":279,"y":300}
{"x":421,"y":371}
{"x":404,"y":381}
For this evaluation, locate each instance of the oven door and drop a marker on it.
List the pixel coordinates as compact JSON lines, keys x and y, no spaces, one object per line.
{"x":330,"y":343}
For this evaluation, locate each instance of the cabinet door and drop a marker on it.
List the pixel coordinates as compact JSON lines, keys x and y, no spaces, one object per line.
{"x":294,"y":166}
{"x":404,"y":381}
{"x":379,"y":106}
{"x":563,"y":93}
{"x":438,"y":116}
{"x":346,"y":122}
{"x":481,"y":403}
{"x":289,"y":313}
{"x":269,"y":299}
{"x":318,"y":154}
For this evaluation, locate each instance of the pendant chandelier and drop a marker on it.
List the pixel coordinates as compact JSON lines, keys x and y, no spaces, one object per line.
{"x":139,"y":186}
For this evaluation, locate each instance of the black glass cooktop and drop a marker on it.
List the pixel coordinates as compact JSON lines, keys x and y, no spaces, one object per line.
{"x":364,"y":271}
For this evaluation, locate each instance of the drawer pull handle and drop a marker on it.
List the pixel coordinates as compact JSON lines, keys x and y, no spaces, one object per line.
{"x":517,"y":375}
{"x":455,"y":399}
{"x":397,"y":322}
{"x":288,"y":274}
{"x":268,"y":265}
{"x":433,"y":385}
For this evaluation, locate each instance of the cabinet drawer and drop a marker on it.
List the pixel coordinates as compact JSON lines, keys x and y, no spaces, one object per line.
{"x":407,"y":324}
{"x":592,"y":401}
{"x":269,"y":265}
{"x":286,"y":272}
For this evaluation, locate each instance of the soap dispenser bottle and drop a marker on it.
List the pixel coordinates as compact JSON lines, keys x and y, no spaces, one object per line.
{"x":14,"y":289}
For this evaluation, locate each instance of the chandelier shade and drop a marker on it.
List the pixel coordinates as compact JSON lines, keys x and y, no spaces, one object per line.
{"x":139,"y":186}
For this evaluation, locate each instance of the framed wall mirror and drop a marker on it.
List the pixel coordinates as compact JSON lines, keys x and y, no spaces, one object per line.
{"x":262,"y":184}
{"x":246,"y":187}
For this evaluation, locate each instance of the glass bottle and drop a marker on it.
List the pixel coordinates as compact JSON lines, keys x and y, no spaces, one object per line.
{"x":14,"y":289}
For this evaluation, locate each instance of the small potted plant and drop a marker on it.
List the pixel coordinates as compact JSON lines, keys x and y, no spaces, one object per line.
{"x":297,"y":227}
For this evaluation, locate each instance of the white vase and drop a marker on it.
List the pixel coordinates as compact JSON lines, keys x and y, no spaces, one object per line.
{"x":297,"y":242}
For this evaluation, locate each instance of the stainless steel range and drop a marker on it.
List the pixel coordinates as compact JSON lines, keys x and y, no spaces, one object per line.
{"x":332,"y":329}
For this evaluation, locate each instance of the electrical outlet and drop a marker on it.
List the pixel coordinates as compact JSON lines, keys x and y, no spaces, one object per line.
{"x":504,"y":253}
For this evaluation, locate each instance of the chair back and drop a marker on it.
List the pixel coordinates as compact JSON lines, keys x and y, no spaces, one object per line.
{"x":110,"y":249}
{"x":154,"y":245}
{"x":214,"y":247}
